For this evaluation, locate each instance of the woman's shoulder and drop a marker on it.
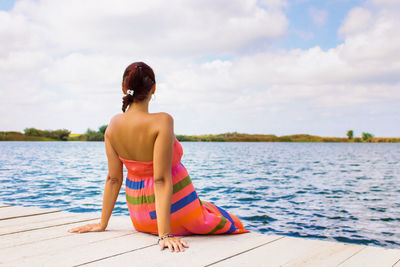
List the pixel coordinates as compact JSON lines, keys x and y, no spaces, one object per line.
{"x":163,"y":122}
{"x":159,"y":121}
{"x":163,"y":117}
{"x":115,"y":120}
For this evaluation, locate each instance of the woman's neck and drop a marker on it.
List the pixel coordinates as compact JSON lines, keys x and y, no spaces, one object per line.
{"x":142,"y":106}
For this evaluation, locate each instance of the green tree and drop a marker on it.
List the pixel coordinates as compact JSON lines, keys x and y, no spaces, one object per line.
{"x":103,"y":128}
{"x":367,"y":136}
{"x":350,"y":134}
{"x":92,"y":135}
{"x":61,"y":134}
{"x":33,"y":132}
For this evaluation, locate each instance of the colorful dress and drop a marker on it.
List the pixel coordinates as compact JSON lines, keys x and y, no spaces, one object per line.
{"x":189,"y":214}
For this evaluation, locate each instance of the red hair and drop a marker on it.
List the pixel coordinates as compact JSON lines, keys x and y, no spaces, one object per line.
{"x":139,"y":78}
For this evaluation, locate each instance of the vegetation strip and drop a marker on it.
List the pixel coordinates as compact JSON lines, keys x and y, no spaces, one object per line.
{"x":33,"y":134}
{"x":243,"y":137}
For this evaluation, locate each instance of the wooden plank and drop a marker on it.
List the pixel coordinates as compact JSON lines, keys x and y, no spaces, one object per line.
{"x":12,"y":212}
{"x":373,"y":256}
{"x":40,"y":225}
{"x":284,"y":251}
{"x":28,"y":237}
{"x":81,"y":248}
{"x":36,"y":219}
{"x":328,"y":254}
{"x":31,"y":236}
{"x":202,"y":251}
{"x":70,"y":242}
{"x":116,"y":224}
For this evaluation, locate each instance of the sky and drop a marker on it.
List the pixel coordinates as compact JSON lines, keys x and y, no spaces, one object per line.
{"x":255,"y":66}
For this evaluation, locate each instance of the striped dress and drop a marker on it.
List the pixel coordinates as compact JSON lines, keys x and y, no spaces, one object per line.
{"x":189,"y":214}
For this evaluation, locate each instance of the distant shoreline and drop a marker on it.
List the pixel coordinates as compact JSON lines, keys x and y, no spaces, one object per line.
{"x":224,"y":137}
{"x":304,"y":138}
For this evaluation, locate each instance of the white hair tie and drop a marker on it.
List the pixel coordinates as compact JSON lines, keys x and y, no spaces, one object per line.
{"x":130,"y":92}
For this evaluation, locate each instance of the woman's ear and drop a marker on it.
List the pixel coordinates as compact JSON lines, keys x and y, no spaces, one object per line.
{"x":153,"y":90}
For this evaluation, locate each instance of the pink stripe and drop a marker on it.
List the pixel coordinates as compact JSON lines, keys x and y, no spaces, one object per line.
{"x":179,"y":176}
{"x":138,"y":208}
{"x":141,"y":217}
{"x":177,"y":169}
{"x":183,"y":193}
{"x":204,"y":224}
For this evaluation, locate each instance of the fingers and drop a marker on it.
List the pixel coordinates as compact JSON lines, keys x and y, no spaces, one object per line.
{"x":185,"y":244}
{"x":180,"y":247}
{"x":74,"y":230}
{"x":169,"y":246}
{"x":78,"y":230}
{"x":85,"y":228}
{"x":174,"y":244}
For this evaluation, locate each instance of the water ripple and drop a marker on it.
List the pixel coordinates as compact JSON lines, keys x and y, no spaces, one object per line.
{"x":342,"y":192}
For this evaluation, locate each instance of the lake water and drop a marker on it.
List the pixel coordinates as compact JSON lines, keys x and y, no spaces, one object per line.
{"x":331,"y":191}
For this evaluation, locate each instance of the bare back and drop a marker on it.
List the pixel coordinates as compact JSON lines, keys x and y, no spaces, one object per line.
{"x":133,"y":134}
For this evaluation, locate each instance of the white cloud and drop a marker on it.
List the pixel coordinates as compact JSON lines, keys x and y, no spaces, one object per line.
{"x":64,"y":69}
{"x":72,"y":52}
{"x":358,"y":19}
{"x":386,"y":3}
{"x":318,"y":16}
{"x":175,"y":27}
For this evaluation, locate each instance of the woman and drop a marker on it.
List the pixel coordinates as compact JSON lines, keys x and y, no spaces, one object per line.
{"x":160,"y":195}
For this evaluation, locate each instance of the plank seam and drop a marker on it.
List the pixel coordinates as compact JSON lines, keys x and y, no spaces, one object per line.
{"x":39,"y":240}
{"x":50,"y":226}
{"x":69,"y":247}
{"x":28,"y":215}
{"x":247,"y":250}
{"x":114,"y":237}
{"x":115,"y":255}
{"x":396,"y":262}
{"x":352,"y":255}
{"x":68,"y":216}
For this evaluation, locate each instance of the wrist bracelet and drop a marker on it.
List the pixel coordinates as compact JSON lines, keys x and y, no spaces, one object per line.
{"x":163,"y":237}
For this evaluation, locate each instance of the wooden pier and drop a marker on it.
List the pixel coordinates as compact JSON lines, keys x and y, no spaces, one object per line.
{"x":32,"y":236}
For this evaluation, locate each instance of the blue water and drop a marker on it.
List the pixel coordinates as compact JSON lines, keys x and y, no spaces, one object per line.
{"x":331,"y":191}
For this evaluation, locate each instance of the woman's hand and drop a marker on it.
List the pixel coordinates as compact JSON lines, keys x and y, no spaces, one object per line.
{"x":173,"y":243}
{"x":91,"y":227}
